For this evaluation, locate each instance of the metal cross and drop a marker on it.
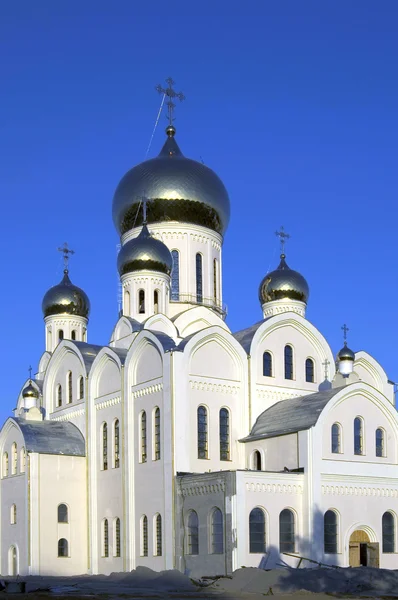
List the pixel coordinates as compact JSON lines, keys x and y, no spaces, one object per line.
{"x":345,"y":329}
{"x":170,"y":93}
{"x":326,"y":364}
{"x":283,"y":236}
{"x":30,"y":372}
{"x":66,"y":251}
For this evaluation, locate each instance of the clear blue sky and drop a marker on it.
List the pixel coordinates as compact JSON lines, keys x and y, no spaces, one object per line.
{"x":294,"y":105}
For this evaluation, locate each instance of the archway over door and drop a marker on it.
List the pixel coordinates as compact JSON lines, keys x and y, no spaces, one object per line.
{"x":12,"y":561}
{"x":363,"y":552}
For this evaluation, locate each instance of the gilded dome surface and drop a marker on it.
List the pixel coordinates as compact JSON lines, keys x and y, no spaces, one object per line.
{"x":177,"y":189}
{"x":346,"y":353}
{"x":66,"y":299}
{"x":30,"y":392}
{"x":144,"y":253}
{"x":283,"y":283}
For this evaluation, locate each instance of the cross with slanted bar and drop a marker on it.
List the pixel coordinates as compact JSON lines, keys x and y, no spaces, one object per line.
{"x":66,"y":251}
{"x":283,"y":236}
{"x":170,"y":93}
{"x":30,"y":372}
{"x":345,"y":329}
{"x":326,"y":364}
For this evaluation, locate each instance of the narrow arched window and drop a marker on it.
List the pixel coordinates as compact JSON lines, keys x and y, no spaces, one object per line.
{"x":69,"y":387}
{"x":257,"y":461}
{"x":104,"y":446}
{"x":116,"y":444}
{"x":156,"y":429}
{"x":14,"y":459}
{"x":202,"y":432}
{"x":267,"y":364}
{"x":287,"y":540}
{"x":175,"y":276}
{"x":143,"y":454}
{"x":158,"y":535}
{"x":13,"y":515}
{"x":127,"y":302}
{"x":156,"y":302}
{"x":22,"y":460}
{"x":81,"y":388}
{"x":388,"y":532}
{"x":215,"y":277}
{"x":288,"y":362}
{"x":224,"y":434}
{"x":5,"y":464}
{"x":358,"y":436}
{"x":60,"y":335}
{"x":309,"y":370}
{"x":48,"y":339}
{"x":380,"y":442}
{"x":59,"y":395}
{"x":217,"y":532}
{"x":257,"y":531}
{"x":141,"y":302}
{"x":63,"y":513}
{"x":105,"y":538}
{"x":330,"y":532}
{"x":84,"y":334}
{"x":62,"y":548}
{"x":199,"y":278}
{"x":117,"y":537}
{"x":144,"y":535}
{"x":73,"y":334}
{"x":336,"y":438}
{"x":193,"y":533}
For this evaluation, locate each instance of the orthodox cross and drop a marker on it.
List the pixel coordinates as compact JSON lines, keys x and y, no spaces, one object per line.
{"x":30,"y":372}
{"x":283,"y":236}
{"x":66,"y":251}
{"x":170,"y":93}
{"x":326,"y":364}
{"x":345,"y":329}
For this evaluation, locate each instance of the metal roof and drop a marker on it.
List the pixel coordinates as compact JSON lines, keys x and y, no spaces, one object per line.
{"x":245,"y":336}
{"x":52,"y":437}
{"x":89,"y":353}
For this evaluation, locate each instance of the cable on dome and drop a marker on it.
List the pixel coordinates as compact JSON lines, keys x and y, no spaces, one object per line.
{"x":156,"y":124}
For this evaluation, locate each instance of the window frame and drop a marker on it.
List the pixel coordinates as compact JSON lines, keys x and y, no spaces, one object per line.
{"x":69,"y":388}
{"x":359,"y":450}
{"x":158,"y":535}
{"x":340,"y":438}
{"x":269,"y":356}
{"x":175,"y":276}
{"x":309,"y":361}
{"x":156,"y":428}
{"x":288,"y":361}
{"x":392,"y":535}
{"x":65,"y":552}
{"x":144,"y":535}
{"x":143,"y":437}
{"x":116,"y":444}
{"x":214,"y":544}
{"x":105,"y":538}
{"x":14,"y":459}
{"x":192,"y":533}
{"x":288,"y":545}
{"x":66,"y":520}
{"x":202,"y":436}
{"x":199,"y":277}
{"x":334,"y":534}
{"x":117,"y":538}
{"x":141,"y":301}
{"x":261,"y":543}
{"x":13,"y":514}
{"x":104,"y":446}
{"x":58,"y":398}
{"x":383,"y":443}
{"x":225,"y":433}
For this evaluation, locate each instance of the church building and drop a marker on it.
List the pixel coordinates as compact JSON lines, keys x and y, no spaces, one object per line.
{"x":180,"y":443}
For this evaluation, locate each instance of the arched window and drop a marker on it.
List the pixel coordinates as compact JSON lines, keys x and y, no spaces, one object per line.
{"x":309,"y":370}
{"x":156,"y":302}
{"x":158,"y":538}
{"x":63,"y":513}
{"x":143,"y":437}
{"x":116,"y":444}
{"x":5,"y":464}
{"x":224,"y":434}
{"x":141,"y":302}
{"x":193,"y":533}
{"x":388,"y":531}
{"x":336,"y":438}
{"x":59,"y":395}
{"x":62,"y":548}
{"x":330,"y":532}
{"x":13,"y":515}
{"x":104,"y":446}
{"x":69,"y":379}
{"x":60,"y":335}
{"x":256,"y":458}
{"x":380,"y":442}
{"x":105,"y":538}
{"x":84,"y":334}
{"x":267,"y":364}
{"x":215,"y":278}
{"x":12,"y":561}
{"x":144,"y":535}
{"x":156,"y":430}
{"x":199,"y":278}
{"x":175,"y":276}
{"x":81,"y":388}
{"x":257,"y":531}
{"x":14,"y":459}
{"x":126,"y":302}
{"x":48,"y":339}
{"x":286,"y":531}
{"x":288,"y":362}
{"x":116,"y":544}
{"x":358,"y":435}
{"x":217,"y":532}
{"x":202,"y":432}
{"x":22,"y":460}
{"x":73,"y":334}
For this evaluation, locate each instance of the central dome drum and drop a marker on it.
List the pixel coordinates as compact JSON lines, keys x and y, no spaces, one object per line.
{"x":176,"y":188}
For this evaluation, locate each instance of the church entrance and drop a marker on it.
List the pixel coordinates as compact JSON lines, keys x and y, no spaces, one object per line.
{"x":363,"y":552}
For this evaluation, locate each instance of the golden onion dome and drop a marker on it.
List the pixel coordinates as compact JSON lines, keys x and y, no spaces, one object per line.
{"x":66,"y":299}
{"x":283,"y":283}
{"x":176,"y":188}
{"x":144,"y":253}
{"x":29,"y":391}
{"x":346,"y":353}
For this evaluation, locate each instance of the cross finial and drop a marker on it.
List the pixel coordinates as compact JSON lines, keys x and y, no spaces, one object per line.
{"x":326,"y":364}
{"x":283,"y":236}
{"x":345,"y":329}
{"x":170,"y":93}
{"x":66,"y":251}
{"x":30,"y":372}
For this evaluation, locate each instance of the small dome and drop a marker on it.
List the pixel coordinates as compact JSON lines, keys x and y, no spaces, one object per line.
{"x":283,"y":283}
{"x":66,"y":299}
{"x":177,"y":189}
{"x":346,"y":353}
{"x":30,"y":392}
{"x":144,"y":253}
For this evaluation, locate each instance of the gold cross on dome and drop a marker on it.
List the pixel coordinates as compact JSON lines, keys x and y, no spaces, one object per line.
{"x":66,"y":252}
{"x":283,"y":236}
{"x":170,"y":93}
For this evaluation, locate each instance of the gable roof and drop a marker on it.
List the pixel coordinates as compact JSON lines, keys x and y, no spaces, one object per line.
{"x":52,"y":437}
{"x":245,"y":336}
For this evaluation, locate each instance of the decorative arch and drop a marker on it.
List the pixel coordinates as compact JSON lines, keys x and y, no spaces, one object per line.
{"x":215,"y":335}
{"x":197,"y":319}
{"x":106,"y":359}
{"x":372,"y":368}
{"x":136,"y":355}
{"x":363,"y":527}
{"x":159,"y":322}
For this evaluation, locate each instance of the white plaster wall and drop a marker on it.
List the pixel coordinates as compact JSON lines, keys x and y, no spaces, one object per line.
{"x":145,"y":280}
{"x":276,"y":453}
{"x":57,"y":374}
{"x":67,"y":323}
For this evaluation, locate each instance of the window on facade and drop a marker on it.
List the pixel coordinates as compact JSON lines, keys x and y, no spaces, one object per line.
{"x":143,"y":436}
{"x":63,"y":548}
{"x":104,"y":446}
{"x":336,"y":438}
{"x":59,"y":395}
{"x":116,"y":444}
{"x":22,"y":460}
{"x":199,"y":278}
{"x":380,"y":442}
{"x":358,"y":436}
{"x":257,"y":460}
{"x":193,"y":533}
{"x":267,"y":364}
{"x":286,"y":531}
{"x":105,"y":538}
{"x":217,"y":532}
{"x":288,"y":362}
{"x":116,"y":547}
{"x":257,"y":531}
{"x":144,"y":536}
{"x":126,"y":302}
{"x":156,"y":419}
{"x":330,"y":532}
{"x":84,"y":334}
{"x":63,"y":513}
{"x":156,"y":302}
{"x":69,"y":387}
{"x":48,"y":339}
{"x":60,"y":335}
{"x":388,"y":532}
{"x":309,"y":370}
{"x":13,"y":515}
{"x":158,"y":535}
{"x":224,"y":434}
{"x":73,"y":334}
{"x":175,"y":276}
{"x":141,"y":302}
{"x":14,"y":459}
{"x":81,"y":388}
{"x":215,"y":277}
{"x":202,"y":432}
{"x":5,"y":464}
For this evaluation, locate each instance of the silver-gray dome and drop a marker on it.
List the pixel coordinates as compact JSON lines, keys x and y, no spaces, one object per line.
{"x":144,"y":253}
{"x":66,"y":299}
{"x":346,"y":353}
{"x":177,"y":189}
{"x":283,"y":283}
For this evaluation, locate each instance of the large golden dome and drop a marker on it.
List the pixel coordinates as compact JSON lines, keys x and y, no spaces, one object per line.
{"x":66,"y":299}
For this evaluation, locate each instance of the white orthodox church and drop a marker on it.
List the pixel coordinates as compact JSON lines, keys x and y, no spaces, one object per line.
{"x":181,"y":444}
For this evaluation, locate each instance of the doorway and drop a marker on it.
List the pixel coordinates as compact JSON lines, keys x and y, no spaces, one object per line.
{"x":12,"y":561}
{"x":363,"y":552}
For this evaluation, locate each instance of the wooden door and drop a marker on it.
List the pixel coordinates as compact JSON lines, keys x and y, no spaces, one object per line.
{"x":354,"y":554}
{"x":373,"y":554}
